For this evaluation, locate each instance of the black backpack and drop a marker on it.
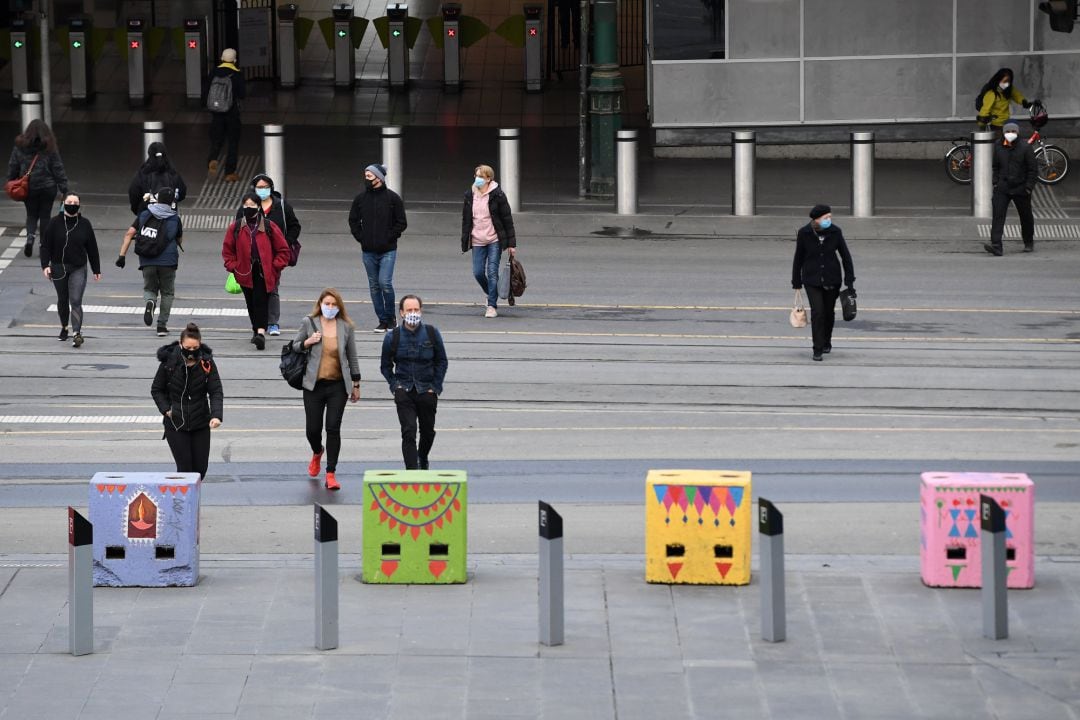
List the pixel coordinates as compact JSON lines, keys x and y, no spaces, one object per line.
{"x":293,"y":365}
{"x":151,"y":238}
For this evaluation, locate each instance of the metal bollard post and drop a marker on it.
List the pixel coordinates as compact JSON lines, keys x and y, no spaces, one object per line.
{"x":995,"y":601}
{"x":862,"y":174}
{"x":80,"y":584}
{"x":326,"y":579}
{"x":982,"y":173}
{"x":551,"y":576}
{"x":771,"y":556}
{"x":391,"y":152}
{"x":510,"y":166}
{"x":626,"y":172}
{"x":31,"y":107}
{"x":274,"y":155}
{"x":743,"y":187}
{"x":153,"y":131}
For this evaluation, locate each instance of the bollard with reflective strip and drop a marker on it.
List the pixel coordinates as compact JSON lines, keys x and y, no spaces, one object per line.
{"x":274,"y":155}
{"x":510,"y":166}
{"x":153,"y":131}
{"x":626,"y":148}
{"x":551,"y":576}
{"x":391,"y":154}
{"x":743,"y":186}
{"x":862,"y":174}
{"x":31,"y":108}
{"x":80,"y":584}
{"x":982,"y":174}
{"x":326,"y":579}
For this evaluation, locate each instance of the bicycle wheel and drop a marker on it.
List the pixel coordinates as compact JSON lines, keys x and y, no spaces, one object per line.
{"x":958,"y":164}
{"x":1053,"y":164}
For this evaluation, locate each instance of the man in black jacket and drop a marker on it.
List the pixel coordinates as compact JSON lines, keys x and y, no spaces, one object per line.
{"x":1015,"y":174}
{"x":377,"y":220}
{"x":225,"y":121}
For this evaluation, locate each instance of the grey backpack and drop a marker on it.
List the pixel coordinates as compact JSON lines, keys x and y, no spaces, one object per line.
{"x":219,"y":98}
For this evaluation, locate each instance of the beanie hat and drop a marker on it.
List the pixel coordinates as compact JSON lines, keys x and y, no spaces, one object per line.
{"x":378,"y":171}
{"x":165,"y":196}
{"x":1011,"y":126}
{"x":228,"y":55}
{"x":819,"y":210}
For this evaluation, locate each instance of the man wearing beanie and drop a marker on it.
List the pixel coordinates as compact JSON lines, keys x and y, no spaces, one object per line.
{"x":817,"y":267}
{"x":1015,"y":174}
{"x":377,"y":220}
{"x":223,"y":101}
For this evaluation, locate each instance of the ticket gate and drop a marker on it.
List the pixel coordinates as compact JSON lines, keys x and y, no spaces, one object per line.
{"x":195,"y":60}
{"x":82,"y":62}
{"x":397,"y":15}
{"x":138,"y":72}
{"x":24,"y":64}
{"x":344,"y":55}
{"x":288,"y":53}
{"x":451,"y":13}
{"x":534,"y":48}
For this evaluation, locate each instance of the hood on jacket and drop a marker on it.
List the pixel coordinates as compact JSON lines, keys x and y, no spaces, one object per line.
{"x":489,"y":187}
{"x":172,"y":352}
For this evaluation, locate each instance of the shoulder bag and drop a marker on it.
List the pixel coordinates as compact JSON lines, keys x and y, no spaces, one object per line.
{"x":293,"y":363}
{"x":847,"y":304}
{"x":19,"y":188}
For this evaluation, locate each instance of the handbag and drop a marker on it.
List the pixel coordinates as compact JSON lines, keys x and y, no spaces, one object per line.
{"x":231,"y":286}
{"x":517,"y":279}
{"x":293,"y":365}
{"x":504,"y":281}
{"x":19,"y":188}
{"x":847,"y":304}
{"x":797,"y":317}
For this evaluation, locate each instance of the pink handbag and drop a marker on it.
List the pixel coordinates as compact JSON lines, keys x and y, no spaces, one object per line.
{"x":797,"y":318}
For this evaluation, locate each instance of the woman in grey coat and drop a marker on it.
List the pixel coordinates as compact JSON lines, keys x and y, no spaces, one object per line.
{"x":328,"y":336}
{"x":36,"y":152}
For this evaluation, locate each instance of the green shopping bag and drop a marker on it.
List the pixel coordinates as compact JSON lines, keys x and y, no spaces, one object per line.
{"x":231,"y":286}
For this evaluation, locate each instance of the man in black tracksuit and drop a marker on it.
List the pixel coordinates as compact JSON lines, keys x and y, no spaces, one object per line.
{"x":1015,"y":174}
{"x":377,"y":220}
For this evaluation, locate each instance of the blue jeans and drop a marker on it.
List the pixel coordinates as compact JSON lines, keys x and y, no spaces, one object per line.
{"x":380,"y":275}
{"x":485,"y":268}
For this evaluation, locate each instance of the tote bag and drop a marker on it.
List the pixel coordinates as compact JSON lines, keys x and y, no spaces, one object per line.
{"x":797,"y":316}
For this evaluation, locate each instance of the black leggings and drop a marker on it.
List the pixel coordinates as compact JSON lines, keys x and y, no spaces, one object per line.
{"x":69,"y":295}
{"x":822,"y":314}
{"x":257,"y":299}
{"x":190,"y":449}
{"x":329,"y":396}
{"x":38,"y":205}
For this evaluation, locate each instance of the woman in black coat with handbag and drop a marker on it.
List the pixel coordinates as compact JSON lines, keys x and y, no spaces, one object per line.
{"x":819,"y":252}
{"x":488,"y":228}
{"x":187,"y":391}
{"x":37,"y":154}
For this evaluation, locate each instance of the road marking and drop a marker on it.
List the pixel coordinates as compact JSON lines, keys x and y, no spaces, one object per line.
{"x":79,"y":419}
{"x":216,"y":194}
{"x":1042,"y":232}
{"x":1045,"y":200}
{"x":206,"y":222}
{"x":128,"y":310}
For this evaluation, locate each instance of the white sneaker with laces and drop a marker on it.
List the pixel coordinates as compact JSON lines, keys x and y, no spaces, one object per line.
{"x":491,"y":312}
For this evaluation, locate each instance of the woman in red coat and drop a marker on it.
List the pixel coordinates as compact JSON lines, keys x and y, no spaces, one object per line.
{"x":257,"y":272}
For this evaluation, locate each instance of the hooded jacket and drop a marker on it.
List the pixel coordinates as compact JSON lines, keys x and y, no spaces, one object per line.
{"x":193,"y":393}
{"x":501,"y":219}
{"x":151,"y":176}
{"x":815,"y":261}
{"x":170,"y":256}
{"x":377,"y":219}
{"x":48,"y":172}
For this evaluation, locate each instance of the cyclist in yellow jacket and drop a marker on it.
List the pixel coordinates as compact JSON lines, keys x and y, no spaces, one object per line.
{"x":995,"y":100}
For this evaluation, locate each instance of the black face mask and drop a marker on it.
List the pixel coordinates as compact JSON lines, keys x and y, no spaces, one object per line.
{"x":250,"y":213}
{"x":369,"y":184}
{"x":71,"y":209}
{"x":189,"y":354}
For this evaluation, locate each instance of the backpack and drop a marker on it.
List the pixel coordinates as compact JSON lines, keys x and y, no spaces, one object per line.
{"x":219,"y":98}
{"x":979,"y":96}
{"x":151,"y":238}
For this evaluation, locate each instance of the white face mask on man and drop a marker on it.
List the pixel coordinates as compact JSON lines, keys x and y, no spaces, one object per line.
{"x":1010,"y":137}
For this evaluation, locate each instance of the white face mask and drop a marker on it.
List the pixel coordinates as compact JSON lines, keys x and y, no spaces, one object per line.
{"x":1011,"y":137}
{"x":329,"y":311}
{"x":412,"y":319}
{"x":1004,"y":86}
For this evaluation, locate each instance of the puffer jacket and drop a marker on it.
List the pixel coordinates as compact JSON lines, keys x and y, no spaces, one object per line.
{"x":193,"y":393}
{"x":48,"y":173}
{"x":501,"y":219}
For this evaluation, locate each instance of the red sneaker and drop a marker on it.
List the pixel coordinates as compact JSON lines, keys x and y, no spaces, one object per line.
{"x":315,"y":464}
{"x":331,"y":482}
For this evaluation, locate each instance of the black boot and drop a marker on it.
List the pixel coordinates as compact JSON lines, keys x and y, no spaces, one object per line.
{"x":993,"y":250}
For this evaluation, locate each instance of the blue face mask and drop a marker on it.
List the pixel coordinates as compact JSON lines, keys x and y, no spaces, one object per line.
{"x":479,"y":182}
{"x":263,"y":193}
{"x":825,"y":224}
{"x":329,"y":312}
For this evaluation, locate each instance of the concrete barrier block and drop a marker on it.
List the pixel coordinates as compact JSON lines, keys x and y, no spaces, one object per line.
{"x":950,"y":546}
{"x":414,"y":529}
{"x":146,"y":529}
{"x":698,"y":527}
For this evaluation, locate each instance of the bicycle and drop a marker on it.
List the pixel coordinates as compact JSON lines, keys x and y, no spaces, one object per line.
{"x":1052,"y":161}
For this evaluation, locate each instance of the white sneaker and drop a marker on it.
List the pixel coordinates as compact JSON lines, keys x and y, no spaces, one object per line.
{"x":491,"y":312}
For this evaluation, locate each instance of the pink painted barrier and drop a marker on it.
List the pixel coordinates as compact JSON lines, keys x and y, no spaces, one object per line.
{"x":950,"y":548}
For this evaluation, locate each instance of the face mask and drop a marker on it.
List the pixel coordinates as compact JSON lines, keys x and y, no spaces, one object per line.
{"x":1011,"y":137}
{"x":369,"y":184}
{"x":263,"y":193}
{"x":251,"y":213}
{"x":412,"y":319}
{"x":329,"y":311}
{"x":479,"y":182}
{"x":825,"y":224}
{"x":189,"y":354}
{"x":1004,"y":86}
{"x":71,"y":209}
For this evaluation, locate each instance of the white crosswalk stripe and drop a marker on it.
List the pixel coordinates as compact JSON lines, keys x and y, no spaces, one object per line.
{"x":217,"y":194}
{"x":1043,"y":231}
{"x":138,"y":310}
{"x":79,"y":419}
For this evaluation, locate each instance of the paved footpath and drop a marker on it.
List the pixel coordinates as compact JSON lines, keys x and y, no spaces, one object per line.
{"x":865,"y":640}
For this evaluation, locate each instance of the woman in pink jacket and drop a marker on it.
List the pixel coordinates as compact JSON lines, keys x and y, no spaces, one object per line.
{"x":256,"y":252}
{"x":488,"y":228}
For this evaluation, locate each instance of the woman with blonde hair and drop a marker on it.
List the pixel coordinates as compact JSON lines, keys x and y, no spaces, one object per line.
{"x":488,"y":228}
{"x":328,"y":336}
